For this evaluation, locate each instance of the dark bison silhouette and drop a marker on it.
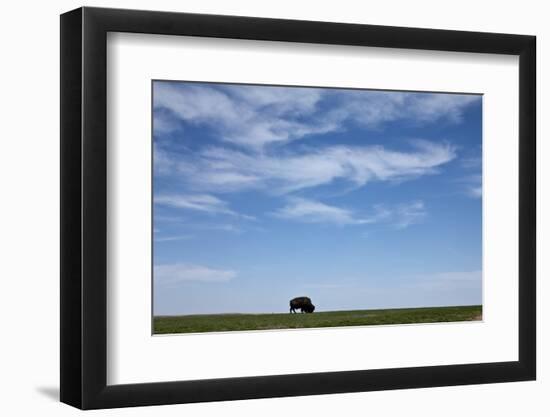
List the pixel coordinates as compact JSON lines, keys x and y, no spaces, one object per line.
{"x":302,"y":303}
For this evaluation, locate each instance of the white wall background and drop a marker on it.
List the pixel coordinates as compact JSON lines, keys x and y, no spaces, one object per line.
{"x":29,"y":176}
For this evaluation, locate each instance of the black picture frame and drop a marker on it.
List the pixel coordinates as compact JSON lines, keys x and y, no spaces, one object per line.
{"x":84,"y":208}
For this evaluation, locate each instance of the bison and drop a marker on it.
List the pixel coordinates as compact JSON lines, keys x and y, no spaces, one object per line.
{"x":302,"y":303}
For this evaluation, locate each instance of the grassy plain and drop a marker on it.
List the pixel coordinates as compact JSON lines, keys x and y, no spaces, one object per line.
{"x":232,"y":322}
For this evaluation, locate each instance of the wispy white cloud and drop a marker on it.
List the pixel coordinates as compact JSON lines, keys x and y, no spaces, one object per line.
{"x":254,"y":117}
{"x":224,"y":227}
{"x":182,"y":272}
{"x":433,"y":107}
{"x":251,"y":116}
{"x":408,"y":214}
{"x":199,"y":202}
{"x":325,"y":286}
{"x":173,"y":238}
{"x":450,"y":280}
{"x":472,"y":180}
{"x":277,"y":100}
{"x":163,"y":123}
{"x":475,"y":191}
{"x":192,"y":226}
{"x":459,"y":276}
{"x":312,"y":211}
{"x":471,"y":162}
{"x":225,"y":170}
{"x":375,"y":108}
{"x":163,"y":163}
{"x":472,"y":185}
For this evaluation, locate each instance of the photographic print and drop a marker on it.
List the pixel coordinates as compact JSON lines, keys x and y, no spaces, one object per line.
{"x":285,"y":207}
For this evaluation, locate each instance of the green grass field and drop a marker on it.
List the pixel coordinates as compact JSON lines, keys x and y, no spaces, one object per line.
{"x":232,"y":322}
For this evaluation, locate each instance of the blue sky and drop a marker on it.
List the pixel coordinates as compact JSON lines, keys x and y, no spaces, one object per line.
{"x":358,"y":199}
